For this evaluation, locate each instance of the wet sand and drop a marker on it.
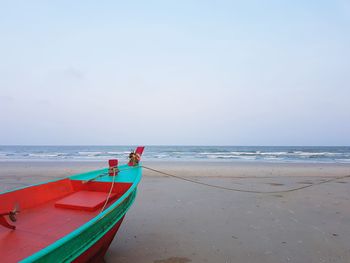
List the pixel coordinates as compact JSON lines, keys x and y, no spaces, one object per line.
{"x":176,"y":221}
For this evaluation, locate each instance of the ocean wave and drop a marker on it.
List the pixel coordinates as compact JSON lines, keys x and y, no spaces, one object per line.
{"x":160,"y":156}
{"x":244,"y":153}
{"x":43,"y":155}
{"x":273,"y":153}
{"x":119,"y":153}
{"x":230,"y":156}
{"x":268,"y":154}
{"x":313,"y":153}
{"x":89,"y":153}
{"x":273,"y":158}
{"x":343,"y":160}
{"x":209,"y":153}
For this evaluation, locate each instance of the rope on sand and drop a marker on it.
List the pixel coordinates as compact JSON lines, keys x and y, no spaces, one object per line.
{"x":243,"y":190}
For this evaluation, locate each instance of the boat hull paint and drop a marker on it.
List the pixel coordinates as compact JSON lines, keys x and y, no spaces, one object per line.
{"x":96,"y":252}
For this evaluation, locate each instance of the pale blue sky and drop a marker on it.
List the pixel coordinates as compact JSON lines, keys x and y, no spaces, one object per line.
{"x":175,"y":72}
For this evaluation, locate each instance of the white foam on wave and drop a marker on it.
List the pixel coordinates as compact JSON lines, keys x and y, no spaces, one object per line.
{"x":90,"y":157}
{"x":117,"y":152}
{"x":231,"y":156}
{"x":274,"y":153}
{"x":43,"y":155}
{"x":160,"y":156}
{"x":313,"y":153}
{"x":89,"y":153}
{"x":343,"y":160}
{"x":210,"y":153}
{"x":243,"y":153}
{"x":273,"y":158}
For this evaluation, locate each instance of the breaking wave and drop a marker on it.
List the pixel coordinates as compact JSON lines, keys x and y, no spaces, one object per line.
{"x":201,"y":153}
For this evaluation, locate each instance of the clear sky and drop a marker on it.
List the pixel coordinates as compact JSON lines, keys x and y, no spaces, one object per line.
{"x":175,"y":72}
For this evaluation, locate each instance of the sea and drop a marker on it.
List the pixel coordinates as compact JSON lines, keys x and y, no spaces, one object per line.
{"x":303,"y":154}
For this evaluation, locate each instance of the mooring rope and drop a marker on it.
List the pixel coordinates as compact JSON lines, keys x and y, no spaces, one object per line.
{"x":110,"y":192}
{"x":113,"y":181}
{"x":244,"y":190}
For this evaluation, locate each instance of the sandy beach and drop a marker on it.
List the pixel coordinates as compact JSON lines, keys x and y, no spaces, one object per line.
{"x":242,"y":106}
{"x":177,"y":221}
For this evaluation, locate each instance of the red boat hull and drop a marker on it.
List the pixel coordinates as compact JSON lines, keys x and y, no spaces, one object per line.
{"x":96,"y":253}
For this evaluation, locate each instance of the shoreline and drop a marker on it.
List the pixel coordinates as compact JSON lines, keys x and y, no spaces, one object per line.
{"x":190,"y":168}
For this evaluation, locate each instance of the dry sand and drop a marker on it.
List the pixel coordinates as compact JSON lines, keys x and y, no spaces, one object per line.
{"x":176,"y":221}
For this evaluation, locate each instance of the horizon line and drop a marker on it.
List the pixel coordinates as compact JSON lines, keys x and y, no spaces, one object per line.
{"x":165,"y":145}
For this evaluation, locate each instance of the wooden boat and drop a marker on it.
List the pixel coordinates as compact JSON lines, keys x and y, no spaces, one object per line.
{"x":73,"y":219}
